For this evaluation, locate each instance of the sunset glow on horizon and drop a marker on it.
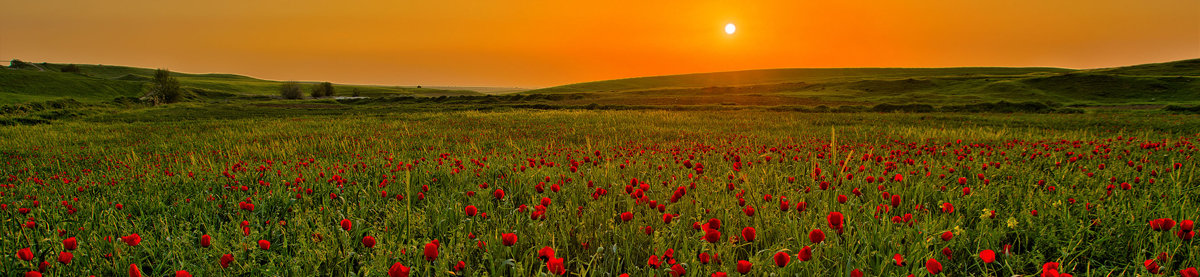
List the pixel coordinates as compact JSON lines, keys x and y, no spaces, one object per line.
{"x":546,"y":43}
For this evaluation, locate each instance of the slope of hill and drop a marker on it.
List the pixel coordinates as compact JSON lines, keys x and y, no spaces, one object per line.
{"x":1155,"y":84}
{"x":97,"y":83}
{"x":788,"y":75}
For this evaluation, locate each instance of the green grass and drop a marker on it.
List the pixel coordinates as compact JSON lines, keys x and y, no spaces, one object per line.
{"x":168,"y":175}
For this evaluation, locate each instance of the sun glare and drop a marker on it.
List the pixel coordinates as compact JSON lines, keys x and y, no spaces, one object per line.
{"x":729,"y":28}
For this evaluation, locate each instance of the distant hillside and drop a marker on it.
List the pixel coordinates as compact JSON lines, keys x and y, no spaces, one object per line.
{"x":97,"y":83}
{"x":1149,"y":84}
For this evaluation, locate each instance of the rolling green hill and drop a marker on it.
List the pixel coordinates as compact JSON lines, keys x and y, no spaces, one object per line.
{"x":98,"y":83}
{"x":1153,"y":84}
{"x":1149,"y":84}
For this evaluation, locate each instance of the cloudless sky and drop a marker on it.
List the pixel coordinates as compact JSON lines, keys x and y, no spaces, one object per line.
{"x":544,"y":43}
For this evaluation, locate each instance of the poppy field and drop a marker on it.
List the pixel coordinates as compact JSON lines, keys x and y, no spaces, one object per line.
{"x":604,"y":193}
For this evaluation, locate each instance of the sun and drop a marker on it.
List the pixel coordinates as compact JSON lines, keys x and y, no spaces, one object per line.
{"x":730,"y":29}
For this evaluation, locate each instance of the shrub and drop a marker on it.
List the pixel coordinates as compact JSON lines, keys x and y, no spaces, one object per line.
{"x":327,"y":87}
{"x":163,"y":88}
{"x":15,"y":63}
{"x":70,"y":68}
{"x":290,"y":90}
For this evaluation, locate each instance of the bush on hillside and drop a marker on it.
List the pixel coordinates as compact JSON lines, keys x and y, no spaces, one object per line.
{"x":163,"y":88}
{"x":290,"y":90}
{"x":18,"y":64}
{"x":70,"y":68}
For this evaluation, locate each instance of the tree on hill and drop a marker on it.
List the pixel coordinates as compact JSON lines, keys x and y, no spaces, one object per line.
{"x":15,"y":63}
{"x":324,"y":89}
{"x":328,"y":88}
{"x":163,"y":88}
{"x":70,"y":68}
{"x":317,"y":91}
{"x":290,"y":90}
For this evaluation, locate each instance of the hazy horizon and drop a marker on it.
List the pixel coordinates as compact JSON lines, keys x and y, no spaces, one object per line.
{"x":542,"y":44}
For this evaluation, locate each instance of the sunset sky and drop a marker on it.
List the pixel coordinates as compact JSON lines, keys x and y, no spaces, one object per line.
{"x":545,"y":43}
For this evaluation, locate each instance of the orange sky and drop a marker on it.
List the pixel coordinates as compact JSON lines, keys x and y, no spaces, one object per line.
{"x":545,"y":43}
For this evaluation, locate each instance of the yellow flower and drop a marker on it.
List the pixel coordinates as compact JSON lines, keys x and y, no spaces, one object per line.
{"x":986,"y":214}
{"x":1012,"y":222}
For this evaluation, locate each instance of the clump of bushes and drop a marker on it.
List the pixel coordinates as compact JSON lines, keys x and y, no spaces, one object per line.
{"x":163,"y":88}
{"x":70,"y":68}
{"x":290,"y":90}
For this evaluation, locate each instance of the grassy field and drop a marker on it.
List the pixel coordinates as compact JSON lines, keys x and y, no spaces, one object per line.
{"x":142,"y":188}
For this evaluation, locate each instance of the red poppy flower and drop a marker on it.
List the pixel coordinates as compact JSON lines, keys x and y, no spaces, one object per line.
{"x":134,"y":271}
{"x":398,"y":270}
{"x":676,"y":270}
{"x":933,"y":266}
{"x":748,"y":234}
{"x":713,"y":223}
{"x":345,"y":224}
{"x":836,"y":221}
{"x":1151,"y":266}
{"x":1162,"y":224}
{"x":1189,"y":272}
{"x":70,"y":243}
{"x":546,"y":253}
{"x":804,"y":254}
{"x":653,"y":261}
{"x":947,"y":207}
{"x":498,"y":194}
{"x":132,"y":240}
{"x":431,"y":251}
{"x":898,"y":260}
{"x":856,"y":273}
{"x":816,"y":236}
{"x":946,"y":236}
{"x":368,"y":241}
{"x":1186,"y":225}
{"x":782,"y":259}
{"x":25,"y":254}
{"x":743,"y":266}
{"x":264,"y":245}
{"x":626,"y":216}
{"x":225,"y":260}
{"x":205,"y":240}
{"x":987,"y":255}
{"x":712,"y":235}
{"x":65,"y":257}
{"x":471,"y":210}
{"x":555,"y":265}
{"x":1050,"y":269}
{"x":183,"y":273}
